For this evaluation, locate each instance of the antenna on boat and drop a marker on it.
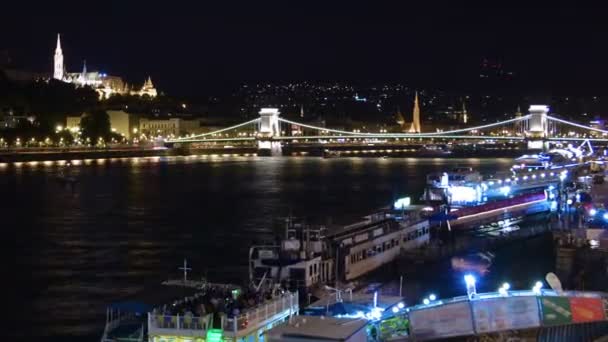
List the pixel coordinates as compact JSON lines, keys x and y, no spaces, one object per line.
{"x":185,"y":268}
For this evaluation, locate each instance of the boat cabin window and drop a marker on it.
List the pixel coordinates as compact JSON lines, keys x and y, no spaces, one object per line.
{"x":434,"y":178}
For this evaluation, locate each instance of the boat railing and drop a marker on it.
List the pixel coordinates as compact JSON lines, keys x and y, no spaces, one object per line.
{"x":508,"y":294}
{"x":114,"y":319}
{"x":285,"y":304}
{"x":179,"y":322}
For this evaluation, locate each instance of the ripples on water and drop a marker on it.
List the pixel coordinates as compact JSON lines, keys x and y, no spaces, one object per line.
{"x":129,"y":222}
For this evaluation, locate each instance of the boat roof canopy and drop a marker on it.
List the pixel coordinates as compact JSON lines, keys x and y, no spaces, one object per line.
{"x":131,"y":306}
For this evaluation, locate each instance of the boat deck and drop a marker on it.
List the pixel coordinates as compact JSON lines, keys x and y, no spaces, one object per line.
{"x":383,"y":216}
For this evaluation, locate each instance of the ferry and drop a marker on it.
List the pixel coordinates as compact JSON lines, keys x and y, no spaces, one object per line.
{"x":553,"y":159}
{"x":458,"y":176}
{"x":434,"y":151}
{"x":310,"y":256}
{"x":463,"y":217}
{"x":202,"y":312}
{"x":439,"y":185}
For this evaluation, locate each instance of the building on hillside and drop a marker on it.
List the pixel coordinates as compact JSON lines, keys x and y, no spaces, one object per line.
{"x":170,"y":127}
{"x":9,"y":120}
{"x":132,"y":125}
{"x":73,"y":123}
{"x":121,"y":122}
{"x":147,"y":89}
{"x":104,"y":84}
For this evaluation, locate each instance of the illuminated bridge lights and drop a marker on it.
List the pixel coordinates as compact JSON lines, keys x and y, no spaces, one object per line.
{"x":356,"y":135}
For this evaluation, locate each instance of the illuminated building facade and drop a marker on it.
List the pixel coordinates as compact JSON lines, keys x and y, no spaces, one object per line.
{"x":168,"y":127}
{"x":104,"y":84}
{"x":121,"y":122}
{"x":131,"y":125}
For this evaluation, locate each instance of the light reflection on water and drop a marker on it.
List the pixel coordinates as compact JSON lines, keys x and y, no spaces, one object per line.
{"x":128,"y":222}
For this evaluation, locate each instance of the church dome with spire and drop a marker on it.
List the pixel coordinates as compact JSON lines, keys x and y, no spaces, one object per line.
{"x":147,"y":89}
{"x":104,"y":84}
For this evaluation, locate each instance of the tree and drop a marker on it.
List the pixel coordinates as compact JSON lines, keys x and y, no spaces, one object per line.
{"x":95,"y":125}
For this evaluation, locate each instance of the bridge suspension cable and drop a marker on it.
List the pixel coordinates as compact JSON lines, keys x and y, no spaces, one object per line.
{"x":215,"y":132}
{"x":576,"y":125}
{"x":323,"y":128}
{"x":476,"y":128}
{"x":408,"y":135}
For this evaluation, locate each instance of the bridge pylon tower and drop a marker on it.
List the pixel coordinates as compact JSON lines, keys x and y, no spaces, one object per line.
{"x":269,"y":129}
{"x":538,"y":126}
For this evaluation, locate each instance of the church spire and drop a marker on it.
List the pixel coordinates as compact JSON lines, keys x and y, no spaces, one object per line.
{"x":148,"y":83}
{"x":58,"y":48}
{"x":416,"y":128}
{"x":58,"y":71}
{"x":83,"y":76}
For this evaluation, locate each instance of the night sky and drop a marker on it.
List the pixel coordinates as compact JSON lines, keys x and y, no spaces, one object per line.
{"x":202,"y":48}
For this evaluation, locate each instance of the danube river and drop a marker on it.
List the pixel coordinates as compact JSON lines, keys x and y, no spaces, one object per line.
{"x":130,"y":222}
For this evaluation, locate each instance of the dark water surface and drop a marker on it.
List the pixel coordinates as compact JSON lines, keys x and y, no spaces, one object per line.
{"x":130,"y":222}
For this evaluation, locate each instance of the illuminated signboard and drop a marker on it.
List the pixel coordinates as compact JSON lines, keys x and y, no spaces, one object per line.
{"x":586,"y":309}
{"x":564,"y":310}
{"x":510,"y":313}
{"x":215,"y":335}
{"x":556,"y":310}
{"x":442,"y":321}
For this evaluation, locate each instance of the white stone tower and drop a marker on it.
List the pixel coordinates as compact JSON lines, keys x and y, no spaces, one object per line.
{"x":538,"y":126}
{"x":269,"y":122}
{"x":58,"y":71}
{"x":269,"y":129}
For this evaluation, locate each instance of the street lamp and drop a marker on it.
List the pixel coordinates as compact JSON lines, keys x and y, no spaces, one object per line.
{"x":470,"y":282}
{"x":537,"y":287}
{"x":503,"y":290}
